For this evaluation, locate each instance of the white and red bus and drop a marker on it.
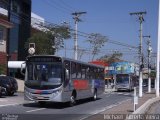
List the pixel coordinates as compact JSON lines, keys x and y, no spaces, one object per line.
{"x":59,"y":79}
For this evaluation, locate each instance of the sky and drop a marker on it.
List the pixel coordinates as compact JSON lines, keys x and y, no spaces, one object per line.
{"x":110,"y":18}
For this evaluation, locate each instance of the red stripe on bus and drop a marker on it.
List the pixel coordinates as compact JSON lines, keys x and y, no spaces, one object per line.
{"x":38,"y":91}
{"x":80,"y":84}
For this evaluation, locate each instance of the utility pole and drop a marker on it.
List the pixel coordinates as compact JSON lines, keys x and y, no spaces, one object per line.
{"x":149,"y":60}
{"x":158,"y":52}
{"x":76,"y":19}
{"x":141,"y":20}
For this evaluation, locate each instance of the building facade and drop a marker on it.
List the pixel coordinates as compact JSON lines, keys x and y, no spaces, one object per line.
{"x":15,"y":29}
{"x":20,"y":16}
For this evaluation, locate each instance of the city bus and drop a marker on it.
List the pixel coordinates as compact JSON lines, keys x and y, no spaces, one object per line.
{"x":124,"y":74}
{"x":58,"y":79}
{"x":126,"y":81}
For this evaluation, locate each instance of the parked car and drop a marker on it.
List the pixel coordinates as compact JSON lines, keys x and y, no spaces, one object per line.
{"x":2,"y":91}
{"x":9,"y":83}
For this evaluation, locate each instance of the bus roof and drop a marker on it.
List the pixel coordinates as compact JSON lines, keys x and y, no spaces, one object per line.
{"x":64,"y":58}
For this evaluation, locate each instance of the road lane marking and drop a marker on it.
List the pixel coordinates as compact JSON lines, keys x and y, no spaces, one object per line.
{"x":10,"y":105}
{"x":36,"y":110}
{"x":14,"y":104}
{"x":3,"y":100}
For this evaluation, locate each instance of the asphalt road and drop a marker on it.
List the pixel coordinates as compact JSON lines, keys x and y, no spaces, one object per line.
{"x":19,"y":109}
{"x":16,"y":108}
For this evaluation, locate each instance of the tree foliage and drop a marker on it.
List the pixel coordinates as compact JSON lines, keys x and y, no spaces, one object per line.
{"x":50,"y":39}
{"x":2,"y":68}
{"x":60,"y":33}
{"x":97,"y":41}
{"x":44,"y":42}
{"x":115,"y":57}
{"x":153,"y":74}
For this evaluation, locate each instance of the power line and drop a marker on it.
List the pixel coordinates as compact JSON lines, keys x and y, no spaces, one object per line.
{"x":70,"y":7}
{"x":60,"y":9}
{"x":83,"y":34}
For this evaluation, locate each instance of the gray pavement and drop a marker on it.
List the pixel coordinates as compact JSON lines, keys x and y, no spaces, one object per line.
{"x":146,"y":105}
{"x":154,"y":108}
{"x":125,"y":108}
{"x":20,"y":85}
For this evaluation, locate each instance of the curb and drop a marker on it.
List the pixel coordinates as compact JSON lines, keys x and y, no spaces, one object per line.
{"x":144,"y":108}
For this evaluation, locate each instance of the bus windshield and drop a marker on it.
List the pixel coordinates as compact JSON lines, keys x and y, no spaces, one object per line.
{"x":122,"y":79}
{"x":49,"y":73}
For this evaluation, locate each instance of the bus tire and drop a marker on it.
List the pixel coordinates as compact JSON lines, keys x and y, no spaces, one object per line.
{"x":73,"y":99}
{"x":11,"y":93}
{"x":95,"y":95}
{"x":41,"y":103}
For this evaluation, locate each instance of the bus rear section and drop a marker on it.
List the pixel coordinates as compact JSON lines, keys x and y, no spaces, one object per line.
{"x":56,"y":79}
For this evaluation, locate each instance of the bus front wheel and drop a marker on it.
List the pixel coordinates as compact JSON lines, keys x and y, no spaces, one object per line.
{"x":41,"y":103}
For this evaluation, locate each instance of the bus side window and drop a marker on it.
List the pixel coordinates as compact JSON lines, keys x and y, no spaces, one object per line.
{"x":92,"y":73}
{"x":88,"y":72}
{"x":96,"y":71}
{"x":67,"y":70}
{"x":73,"y":70}
{"x":79,"y":72}
{"x":101,"y":74}
{"x":83,"y":71}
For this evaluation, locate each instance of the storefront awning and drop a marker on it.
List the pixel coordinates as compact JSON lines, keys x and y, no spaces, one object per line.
{"x":5,"y":23}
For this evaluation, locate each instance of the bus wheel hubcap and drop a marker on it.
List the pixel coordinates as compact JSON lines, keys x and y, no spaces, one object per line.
{"x":72,"y":99}
{"x":95,"y":95}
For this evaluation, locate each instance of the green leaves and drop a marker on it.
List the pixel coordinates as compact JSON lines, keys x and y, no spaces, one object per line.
{"x":43,"y":42}
{"x":2,"y":68}
{"x":50,"y":39}
{"x":115,"y":57}
{"x":97,"y":41}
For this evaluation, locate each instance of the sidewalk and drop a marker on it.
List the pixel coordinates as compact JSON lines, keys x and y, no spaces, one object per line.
{"x":20,"y":85}
{"x":120,"y":110}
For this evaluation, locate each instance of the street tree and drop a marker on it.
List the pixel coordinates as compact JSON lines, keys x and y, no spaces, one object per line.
{"x":97,"y":41}
{"x":115,"y":57}
{"x":81,"y":52}
{"x":60,"y":33}
{"x":50,"y":39}
{"x":44,"y":42}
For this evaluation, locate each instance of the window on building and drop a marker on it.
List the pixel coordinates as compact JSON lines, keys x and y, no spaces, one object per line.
{"x":4,"y":4}
{"x":15,"y":7}
{"x":25,"y":8}
{"x":1,"y":34}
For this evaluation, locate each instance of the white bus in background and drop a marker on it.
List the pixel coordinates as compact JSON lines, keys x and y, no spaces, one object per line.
{"x":126,"y":75}
{"x":126,"y":81}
